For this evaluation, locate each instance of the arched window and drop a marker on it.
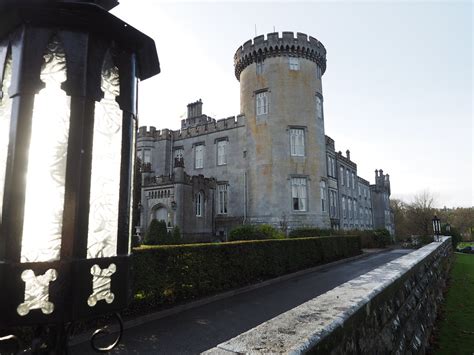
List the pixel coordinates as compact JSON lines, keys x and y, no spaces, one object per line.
{"x":198,"y":200}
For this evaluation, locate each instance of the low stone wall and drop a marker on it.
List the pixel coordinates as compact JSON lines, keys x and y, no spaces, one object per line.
{"x":390,"y":310}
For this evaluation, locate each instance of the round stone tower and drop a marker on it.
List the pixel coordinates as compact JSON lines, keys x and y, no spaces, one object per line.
{"x":281,"y":97}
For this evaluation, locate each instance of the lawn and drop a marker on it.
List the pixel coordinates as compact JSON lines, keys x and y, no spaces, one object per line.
{"x":464,"y":244}
{"x":456,"y":329}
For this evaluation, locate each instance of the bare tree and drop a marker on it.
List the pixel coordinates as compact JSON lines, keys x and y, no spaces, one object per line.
{"x":420,"y":213}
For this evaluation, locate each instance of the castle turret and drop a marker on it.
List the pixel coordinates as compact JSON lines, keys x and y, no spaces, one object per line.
{"x":281,"y":97}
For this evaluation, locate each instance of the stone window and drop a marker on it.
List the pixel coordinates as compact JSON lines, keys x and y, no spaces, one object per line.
{"x":294,"y":63}
{"x":199,"y":156}
{"x":298,"y":194}
{"x":261,"y":101}
{"x":349,"y":205}
{"x":333,"y":203}
{"x":222,"y":152}
{"x":259,"y":67}
{"x":297,"y":142}
{"x":341,"y":175}
{"x":198,"y":200}
{"x":318,"y":72}
{"x":353,"y":181}
{"x":354,"y":207}
{"x":319,"y":107}
{"x":179,"y":153}
{"x":348,"y":181}
{"x":323,"y":195}
{"x":344,"y":214}
{"x":222,"y":190}
{"x":147,"y":156}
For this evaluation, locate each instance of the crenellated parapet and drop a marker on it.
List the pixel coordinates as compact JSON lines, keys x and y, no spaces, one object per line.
{"x":210,"y":126}
{"x":302,"y":46}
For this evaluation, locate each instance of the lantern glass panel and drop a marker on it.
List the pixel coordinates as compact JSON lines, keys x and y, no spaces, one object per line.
{"x":47,"y":158}
{"x":5,"y":114}
{"x":106,"y":160}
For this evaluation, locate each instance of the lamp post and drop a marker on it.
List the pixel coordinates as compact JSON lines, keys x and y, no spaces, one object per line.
{"x":436,"y":228}
{"x":448,"y":229}
{"x":68,"y":105}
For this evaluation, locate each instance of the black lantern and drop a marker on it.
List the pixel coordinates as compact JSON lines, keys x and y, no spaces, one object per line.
{"x":448,"y":229}
{"x":436,"y":228}
{"x":68,"y":105}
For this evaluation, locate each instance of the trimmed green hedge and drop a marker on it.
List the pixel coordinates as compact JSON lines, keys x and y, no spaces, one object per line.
{"x":172,"y":274}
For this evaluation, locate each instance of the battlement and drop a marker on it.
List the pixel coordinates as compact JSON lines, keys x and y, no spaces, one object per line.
{"x":330,"y":143}
{"x":205,"y":127}
{"x":302,"y":46}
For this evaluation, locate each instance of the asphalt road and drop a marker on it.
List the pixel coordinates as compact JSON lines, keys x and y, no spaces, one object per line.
{"x":199,"y":329}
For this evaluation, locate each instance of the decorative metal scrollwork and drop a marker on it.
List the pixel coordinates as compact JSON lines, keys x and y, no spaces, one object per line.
{"x":105,"y":331}
{"x":14,"y":339}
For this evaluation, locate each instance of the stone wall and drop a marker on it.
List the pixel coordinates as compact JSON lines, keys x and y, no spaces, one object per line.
{"x":390,"y":310}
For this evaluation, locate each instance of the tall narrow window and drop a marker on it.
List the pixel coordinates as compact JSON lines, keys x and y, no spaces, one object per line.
{"x":354,"y":207}
{"x":147,"y":156}
{"x":261,"y":101}
{"x":328,"y":161}
{"x":349,"y":205}
{"x":297,"y":142}
{"x":333,"y":167}
{"x":348,"y":180}
{"x":222,"y":195}
{"x":259,"y":67}
{"x":344,"y":207}
{"x":319,"y":107}
{"x":318,"y":72}
{"x":198,"y":200}
{"x":294,"y":63}
{"x":198,"y":156}
{"x":323,"y":196}
{"x":333,"y":203}
{"x":353,"y":181}
{"x":222,"y":152}
{"x":179,"y":153}
{"x":341,"y":175}
{"x":298,"y":194}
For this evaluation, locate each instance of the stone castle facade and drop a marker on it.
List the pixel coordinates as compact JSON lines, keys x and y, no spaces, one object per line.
{"x":270,"y":164}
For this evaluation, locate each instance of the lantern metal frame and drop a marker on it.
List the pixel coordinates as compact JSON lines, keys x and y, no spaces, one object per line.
{"x":88,"y":33}
{"x":436,"y":228}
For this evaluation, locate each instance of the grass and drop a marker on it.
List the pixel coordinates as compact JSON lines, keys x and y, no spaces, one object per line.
{"x":464,"y":244}
{"x":456,"y":328}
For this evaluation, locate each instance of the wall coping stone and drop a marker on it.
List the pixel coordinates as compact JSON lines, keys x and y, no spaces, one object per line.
{"x":301,"y":328}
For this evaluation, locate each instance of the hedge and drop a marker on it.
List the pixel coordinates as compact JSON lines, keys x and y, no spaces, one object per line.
{"x":174,"y":274}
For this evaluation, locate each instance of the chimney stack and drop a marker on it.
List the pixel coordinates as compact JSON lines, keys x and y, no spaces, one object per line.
{"x":195,"y":109}
{"x":348,"y":154}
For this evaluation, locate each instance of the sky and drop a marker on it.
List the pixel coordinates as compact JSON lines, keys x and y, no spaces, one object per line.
{"x":398,"y":89}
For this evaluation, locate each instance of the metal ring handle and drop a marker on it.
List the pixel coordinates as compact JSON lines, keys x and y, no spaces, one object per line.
{"x":104,"y":331}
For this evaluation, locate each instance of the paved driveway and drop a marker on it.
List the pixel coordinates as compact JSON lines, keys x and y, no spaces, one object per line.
{"x":199,"y":329}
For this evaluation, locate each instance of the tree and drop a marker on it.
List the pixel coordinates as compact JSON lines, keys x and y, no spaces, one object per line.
{"x":420,"y":213}
{"x":152,"y":233}
{"x":399,"y":209}
{"x":176,"y":235}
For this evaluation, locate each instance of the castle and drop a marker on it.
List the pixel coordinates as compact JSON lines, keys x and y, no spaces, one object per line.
{"x":271,"y":164}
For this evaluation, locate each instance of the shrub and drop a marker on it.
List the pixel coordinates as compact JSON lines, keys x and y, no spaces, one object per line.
{"x":176,"y":235}
{"x":251,"y":232}
{"x":310,"y":232}
{"x":169,"y":274}
{"x":157,"y":233}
